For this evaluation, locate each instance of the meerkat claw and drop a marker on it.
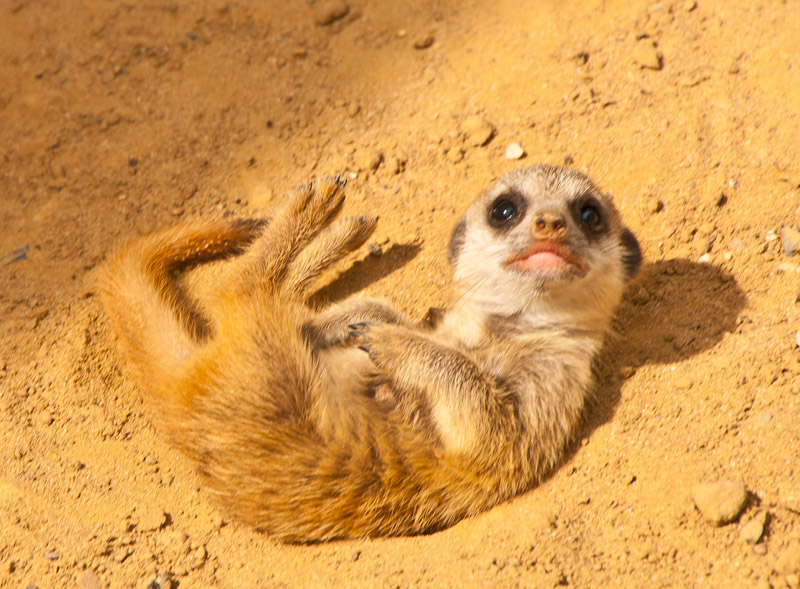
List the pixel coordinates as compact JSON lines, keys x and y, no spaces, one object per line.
{"x":357,"y":330}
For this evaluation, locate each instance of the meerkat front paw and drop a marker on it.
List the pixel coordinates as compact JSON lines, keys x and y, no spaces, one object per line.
{"x":336,"y":326}
{"x":386,"y":344}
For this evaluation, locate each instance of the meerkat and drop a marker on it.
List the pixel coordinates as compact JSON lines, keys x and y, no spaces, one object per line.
{"x":353,"y":421}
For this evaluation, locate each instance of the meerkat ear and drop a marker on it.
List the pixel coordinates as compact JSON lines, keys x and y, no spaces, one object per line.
{"x":456,"y":241}
{"x":631,"y":254}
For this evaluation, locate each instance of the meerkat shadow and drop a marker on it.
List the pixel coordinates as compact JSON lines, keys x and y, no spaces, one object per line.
{"x":363,"y":273}
{"x":672,"y":311}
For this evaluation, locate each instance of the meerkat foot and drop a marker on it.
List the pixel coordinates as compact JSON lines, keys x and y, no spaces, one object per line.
{"x":309,"y":210}
{"x":315,"y":205}
{"x":330,"y":246}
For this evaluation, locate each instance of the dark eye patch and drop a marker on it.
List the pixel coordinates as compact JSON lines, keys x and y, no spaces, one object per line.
{"x":631,"y":253}
{"x":457,"y":241}
{"x":506,"y":210}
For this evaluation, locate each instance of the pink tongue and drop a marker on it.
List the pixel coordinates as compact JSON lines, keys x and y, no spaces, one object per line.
{"x":542,"y":261}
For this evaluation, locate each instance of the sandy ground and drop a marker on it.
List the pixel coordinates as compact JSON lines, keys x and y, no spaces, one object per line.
{"x":116,"y":118}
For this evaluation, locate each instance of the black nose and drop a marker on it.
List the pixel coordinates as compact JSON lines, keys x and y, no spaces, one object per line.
{"x":549,"y":225}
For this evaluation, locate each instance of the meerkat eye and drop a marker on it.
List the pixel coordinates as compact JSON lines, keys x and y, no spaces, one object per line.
{"x":504,"y":211}
{"x":589,"y":215}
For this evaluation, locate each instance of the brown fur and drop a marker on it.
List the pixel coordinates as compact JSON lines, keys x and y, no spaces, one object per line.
{"x":298,"y":432}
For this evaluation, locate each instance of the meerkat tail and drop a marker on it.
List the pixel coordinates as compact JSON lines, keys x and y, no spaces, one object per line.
{"x":156,"y":323}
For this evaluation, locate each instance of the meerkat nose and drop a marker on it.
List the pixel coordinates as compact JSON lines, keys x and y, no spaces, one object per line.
{"x":549,"y":225}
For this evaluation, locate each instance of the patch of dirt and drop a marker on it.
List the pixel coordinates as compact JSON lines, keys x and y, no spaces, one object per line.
{"x":116,"y":118}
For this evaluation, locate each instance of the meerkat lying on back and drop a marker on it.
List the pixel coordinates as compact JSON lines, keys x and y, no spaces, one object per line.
{"x":352,"y":422}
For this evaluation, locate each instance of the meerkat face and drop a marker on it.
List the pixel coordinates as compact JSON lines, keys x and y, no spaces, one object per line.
{"x":543,"y":233}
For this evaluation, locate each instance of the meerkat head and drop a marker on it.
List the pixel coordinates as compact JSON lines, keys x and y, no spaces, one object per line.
{"x":545,"y":240}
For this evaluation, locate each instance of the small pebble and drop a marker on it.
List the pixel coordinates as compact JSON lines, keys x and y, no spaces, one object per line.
{"x":162,"y":581}
{"x":367,"y":160}
{"x":514,"y":151}
{"x":689,"y":5}
{"x":764,"y":418}
{"x":752,"y":531}
{"x":653,"y":204}
{"x":424,"y":42}
{"x":43,"y":419}
{"x":51,"y":556}
{"x":477,"y":130}
{"x":328,"y":12}
{"x":797,"y":339}
{"x":151,"y":519}
{"x":644,"y":54}
{"x":791,"y":240}
{"x":395,"y":164}
{"x":455,"y":154}
{"x":721,"y":502}
{"x":197,"y":557}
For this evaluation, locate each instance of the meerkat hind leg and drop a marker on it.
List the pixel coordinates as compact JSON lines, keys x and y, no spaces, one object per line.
{"x":309,"y":210}
{"x":330,"y":246}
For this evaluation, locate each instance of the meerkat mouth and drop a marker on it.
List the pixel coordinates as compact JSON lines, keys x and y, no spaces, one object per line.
{"x":550,"y":258}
